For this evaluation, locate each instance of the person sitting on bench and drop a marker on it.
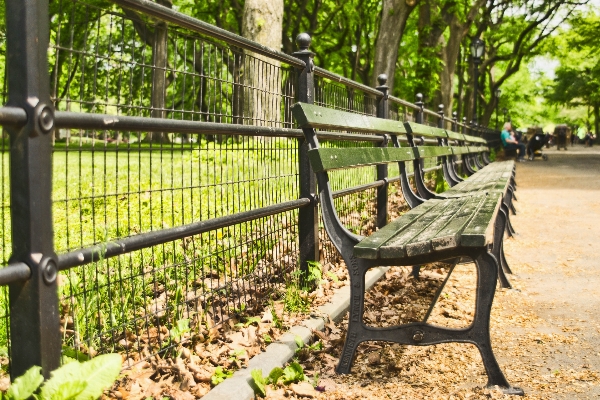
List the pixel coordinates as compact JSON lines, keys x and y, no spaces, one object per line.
{"x":510,"y":142}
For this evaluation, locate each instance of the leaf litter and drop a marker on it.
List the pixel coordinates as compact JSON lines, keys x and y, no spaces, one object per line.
{"x":384,"y":370}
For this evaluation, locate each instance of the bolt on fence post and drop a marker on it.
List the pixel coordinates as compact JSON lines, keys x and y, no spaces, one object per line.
{"x":34,"y":318}
{"x":382,"y":170}
{"x":308,"y":222}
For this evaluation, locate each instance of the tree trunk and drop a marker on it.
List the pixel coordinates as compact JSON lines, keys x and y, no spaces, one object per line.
{"x":262,"y":22}
{"x":159,"y":58}
{"x":450,"y":54}
{"x":394,"y":15}
{"x":159,"y":77}
{"x":451,"y":51}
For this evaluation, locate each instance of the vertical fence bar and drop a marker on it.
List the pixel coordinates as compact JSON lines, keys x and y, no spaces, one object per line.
{"x":308,"y":223}
{"x":382,"y":170}
{"x":34,"y":319}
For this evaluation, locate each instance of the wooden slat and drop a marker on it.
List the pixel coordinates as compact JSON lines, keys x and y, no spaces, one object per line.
{"x":433,"y":151}
{"x":313,"y":116}
{"x":449,"y":236}
{"x":421,"y":244}
{"x":475,"y":139}
{"x":457,"y":150}
{"x":396,"y":246}
{"x":455,"y":135}
{"x":369,"y":247}
{"x":480,"y":231}
{"x":424,"y":130}
{"x":324,"y":159}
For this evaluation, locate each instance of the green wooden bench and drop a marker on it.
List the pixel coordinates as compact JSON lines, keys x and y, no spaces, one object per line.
{"x":439,"y":228}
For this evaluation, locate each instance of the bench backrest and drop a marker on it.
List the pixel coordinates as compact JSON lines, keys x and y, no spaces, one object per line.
{"x":322,"y":159}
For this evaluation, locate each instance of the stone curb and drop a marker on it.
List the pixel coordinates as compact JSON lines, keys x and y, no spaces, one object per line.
{"x":277,"y":354}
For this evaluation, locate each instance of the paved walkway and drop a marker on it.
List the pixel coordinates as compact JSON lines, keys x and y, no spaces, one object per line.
{"x":557,"y":266}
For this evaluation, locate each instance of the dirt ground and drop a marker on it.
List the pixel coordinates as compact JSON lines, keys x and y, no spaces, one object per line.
{"x":545,"y":331}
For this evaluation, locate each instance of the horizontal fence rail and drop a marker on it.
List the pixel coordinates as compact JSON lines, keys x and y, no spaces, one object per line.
{"x":159,"y":176}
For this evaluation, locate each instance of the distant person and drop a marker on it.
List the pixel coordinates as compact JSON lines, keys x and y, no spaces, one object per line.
{"x":572,"y":139}
{"x":589,"y":139}
{"x":510,"y":142}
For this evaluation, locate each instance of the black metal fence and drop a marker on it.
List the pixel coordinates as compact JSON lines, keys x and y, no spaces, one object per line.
{"x":155,"y":177}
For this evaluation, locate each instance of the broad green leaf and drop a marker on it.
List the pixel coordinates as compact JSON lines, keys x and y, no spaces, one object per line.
{"x":259,"y":381}
{"x":220,"y":375}
{"x":24,"y":386}
{"x":299,"y":341}
{"x":293,"y":373}
{"x":70,"y":390}
{"x":99,"y":373}
{"x":275,"y":374}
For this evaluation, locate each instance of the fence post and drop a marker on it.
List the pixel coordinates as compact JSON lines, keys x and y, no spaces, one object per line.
{"x":34,"y":318}
{"x":419,"y":112}
{"x":308,"y":223}
{"x":382,"y":170}
{"x":464,"y":127}
{"x":454,"y":121}
{"x":441,"y":116}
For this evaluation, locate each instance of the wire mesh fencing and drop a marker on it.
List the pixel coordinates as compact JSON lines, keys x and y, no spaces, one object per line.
{"x":159,"y":228}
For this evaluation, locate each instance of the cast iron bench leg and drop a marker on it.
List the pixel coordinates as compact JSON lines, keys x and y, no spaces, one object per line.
{"x":497,"y":249}
{"x":423,"y":334}
{"x":487,"y":267}
{"x":356,"y":333}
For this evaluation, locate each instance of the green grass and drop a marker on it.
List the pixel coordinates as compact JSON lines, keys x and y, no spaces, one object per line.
{"x":105,"y":192}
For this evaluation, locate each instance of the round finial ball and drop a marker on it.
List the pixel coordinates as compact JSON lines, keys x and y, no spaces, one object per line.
{"x":382,"y":79}
{"x":419,"y":96}
{"x":441,"y":108}
{"x":454,"y":114}
{"x":303,"y":41}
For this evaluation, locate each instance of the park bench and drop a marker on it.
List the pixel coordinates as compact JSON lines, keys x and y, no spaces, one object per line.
{"x":437,"y":228}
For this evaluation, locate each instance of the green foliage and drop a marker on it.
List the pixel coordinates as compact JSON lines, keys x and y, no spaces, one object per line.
{"x":24,"y":386}
{"x":72,"y":381}
{"x":275,"y":374}
{"x":259,"y":382}
{"x":293,"y":373}
{"x":440,"y":183}
{"x":314,"y":275}
{"x":299,"y":342}
{"x":297,"y":295}
{"x":220,"y":375}
{"x":577,"y":79}
{"x":181,"y":327}
{"x":267,"y":338}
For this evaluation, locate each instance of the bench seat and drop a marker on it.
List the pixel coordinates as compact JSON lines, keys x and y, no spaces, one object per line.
{"x":436,"y":225}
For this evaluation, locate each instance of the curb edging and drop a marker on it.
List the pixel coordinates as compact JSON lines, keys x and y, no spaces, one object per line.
{"x":279,"y":353}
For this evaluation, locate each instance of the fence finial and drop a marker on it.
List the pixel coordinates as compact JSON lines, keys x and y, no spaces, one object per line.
{"x":303,"y":41}
{"x":382,"y":79}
